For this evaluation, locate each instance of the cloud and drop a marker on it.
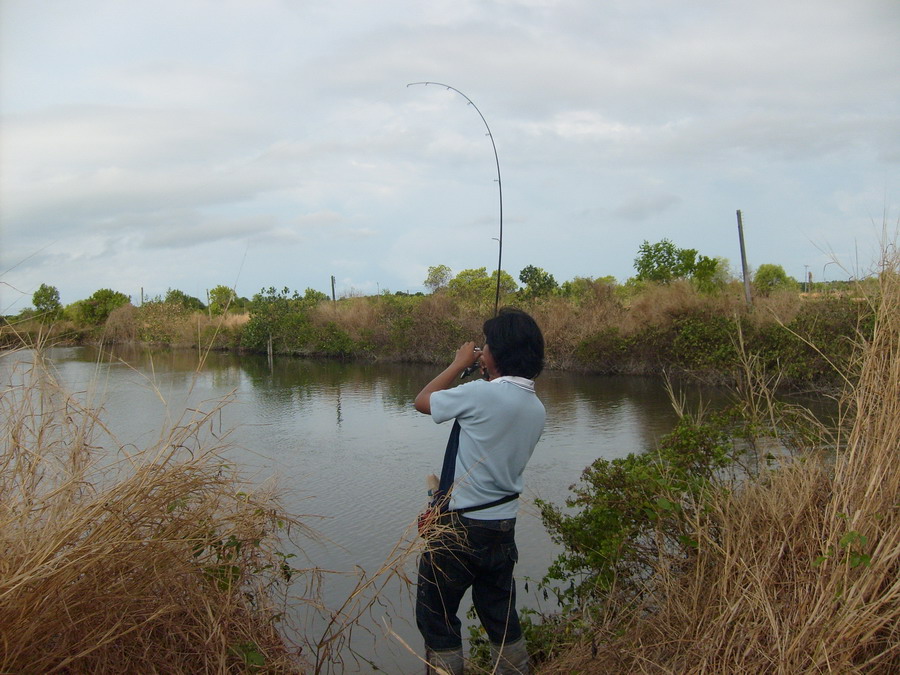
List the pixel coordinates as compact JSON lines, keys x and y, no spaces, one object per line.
{"x":136,"y":137}
{"x":638,"y":208}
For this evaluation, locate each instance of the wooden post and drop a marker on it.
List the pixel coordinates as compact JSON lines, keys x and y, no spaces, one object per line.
{"x":744,"y":259}
{"x":333,"y":298}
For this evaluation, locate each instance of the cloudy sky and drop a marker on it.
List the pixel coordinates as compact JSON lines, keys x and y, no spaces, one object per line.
{"x":254,"y":143}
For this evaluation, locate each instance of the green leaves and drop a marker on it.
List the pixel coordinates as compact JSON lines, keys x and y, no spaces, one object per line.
{"x":249,"y":654}
{"x":664,"y":262}
{"x":46,"y":302}
{"x":96,"y":309}
{"x":537,"y":282}
{"x":851,"y":551}
{"x":476,"y":287}
{"x":438,"y":277}
{"x":623,"y":512}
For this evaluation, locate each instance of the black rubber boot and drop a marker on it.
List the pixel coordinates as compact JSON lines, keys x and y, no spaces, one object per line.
{"x":447,"y":662}
{"x":511,"y":658}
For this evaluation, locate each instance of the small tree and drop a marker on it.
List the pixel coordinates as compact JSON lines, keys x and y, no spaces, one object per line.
{"x":657,"y":262}
{"x":312,"y":297}
{"x":96,"y":309}
{"x":664,"y":262}
{"x":438,"y":277}
{"x":537,"y":281}
{"x":475,"y":286}
{"x":770,"y":278}
{"x":221,"y":299}
{"x":189,"y":302}
{"x":46,"y":302}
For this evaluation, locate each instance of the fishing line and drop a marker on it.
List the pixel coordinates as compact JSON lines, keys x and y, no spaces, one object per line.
{"x":499,"y":183}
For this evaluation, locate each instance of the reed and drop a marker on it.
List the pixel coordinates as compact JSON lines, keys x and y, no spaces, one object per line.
{"x":797,"y":571}
{"x":115,"y":559}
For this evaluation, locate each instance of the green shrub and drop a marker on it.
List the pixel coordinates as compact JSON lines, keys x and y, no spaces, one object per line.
{"x":623,"y":510}
{"x":162,"y":322}
{"x":705,"y":342}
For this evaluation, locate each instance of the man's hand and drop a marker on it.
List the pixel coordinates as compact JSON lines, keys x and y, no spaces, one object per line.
{"x":465,"y":357}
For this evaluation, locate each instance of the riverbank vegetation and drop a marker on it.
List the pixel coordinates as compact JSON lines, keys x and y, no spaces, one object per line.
{"x":118,"y":559}
{"x":681,"y":312}
{"x":754,"y":540}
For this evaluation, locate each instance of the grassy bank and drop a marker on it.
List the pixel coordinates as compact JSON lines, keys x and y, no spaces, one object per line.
{"x":603,"y":329}
{"x":723,"y":552}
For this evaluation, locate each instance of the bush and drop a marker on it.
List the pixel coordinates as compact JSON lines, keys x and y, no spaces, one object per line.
{"x":96,"y":309}
{"x":705,"y":342}
{"x":623,"y":511}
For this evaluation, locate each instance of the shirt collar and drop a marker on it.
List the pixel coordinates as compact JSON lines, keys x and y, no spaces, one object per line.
{"x":521,"y":382}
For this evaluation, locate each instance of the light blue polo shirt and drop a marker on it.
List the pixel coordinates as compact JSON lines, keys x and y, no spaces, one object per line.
{"x":500,"y":422}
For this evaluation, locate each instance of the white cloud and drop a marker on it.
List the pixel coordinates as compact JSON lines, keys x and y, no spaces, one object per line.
{"x":137,"y":137}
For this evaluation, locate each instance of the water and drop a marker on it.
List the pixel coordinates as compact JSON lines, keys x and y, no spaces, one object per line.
{"x":344,"y":442}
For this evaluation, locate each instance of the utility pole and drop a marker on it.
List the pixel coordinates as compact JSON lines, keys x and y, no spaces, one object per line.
{"x":744,"y":259}
{"x":333,"y":298}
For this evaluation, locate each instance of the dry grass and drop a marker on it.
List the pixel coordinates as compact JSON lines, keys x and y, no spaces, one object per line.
{"x":566,"y":324}
{"x":657,"y":305}
{"x":798,"y":572}
{"x":117,"y":560}
{"x":355,"y":315}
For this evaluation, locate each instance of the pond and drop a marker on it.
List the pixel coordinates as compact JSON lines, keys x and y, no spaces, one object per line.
{"x":344,"y":442}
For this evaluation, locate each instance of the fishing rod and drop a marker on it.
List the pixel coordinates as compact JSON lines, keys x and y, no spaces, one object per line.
{"x":499,"y":187}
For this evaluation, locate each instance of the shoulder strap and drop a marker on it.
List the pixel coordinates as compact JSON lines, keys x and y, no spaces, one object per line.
{"x":448,"y":470}
{"x":448,"y":473}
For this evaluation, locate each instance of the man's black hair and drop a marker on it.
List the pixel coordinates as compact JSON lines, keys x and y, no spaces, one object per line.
{"x":516,"y":343}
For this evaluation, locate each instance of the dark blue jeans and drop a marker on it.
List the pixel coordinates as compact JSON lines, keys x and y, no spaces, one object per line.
{"x":476,"y":553}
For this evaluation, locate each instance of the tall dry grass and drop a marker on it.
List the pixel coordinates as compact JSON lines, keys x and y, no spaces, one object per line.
{"x":566,"y":324}
{"x":797,"y":572}
{"x":160,"y":323}
{"x":114,"y":559}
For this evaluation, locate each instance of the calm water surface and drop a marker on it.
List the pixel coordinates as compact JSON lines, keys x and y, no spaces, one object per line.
{"x":344,"y":443}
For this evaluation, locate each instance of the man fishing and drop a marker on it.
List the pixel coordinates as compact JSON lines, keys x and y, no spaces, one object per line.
{"x":500,"y":421}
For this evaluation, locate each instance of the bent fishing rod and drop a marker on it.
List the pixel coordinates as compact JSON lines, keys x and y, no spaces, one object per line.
{"x":471,"y":369}
{"x":499,"y":182}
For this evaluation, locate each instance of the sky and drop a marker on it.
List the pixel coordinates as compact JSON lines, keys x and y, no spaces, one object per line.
{"x":187,"y":144}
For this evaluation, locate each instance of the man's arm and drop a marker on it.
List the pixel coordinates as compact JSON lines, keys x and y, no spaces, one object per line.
{"x":465,"y":357}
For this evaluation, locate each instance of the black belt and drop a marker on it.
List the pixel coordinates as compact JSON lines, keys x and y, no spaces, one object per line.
{"x":496,"y":502}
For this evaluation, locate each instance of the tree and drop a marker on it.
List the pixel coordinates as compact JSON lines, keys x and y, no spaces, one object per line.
{"x":312,"y":297}
{"x":537,"y":281}
{"x":770,"y":278}
{"x":46,"y":302}
{"x":723,"y":275}
{"x":273,"y":314}
{"x":664,"y":262}
{"x":475,"y":286}
{"x":189,"y":302}
{"x":221,"y":299}
{"x":438,"y":277}
{"x":96,"y":309}
{"x":704,"y":273}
